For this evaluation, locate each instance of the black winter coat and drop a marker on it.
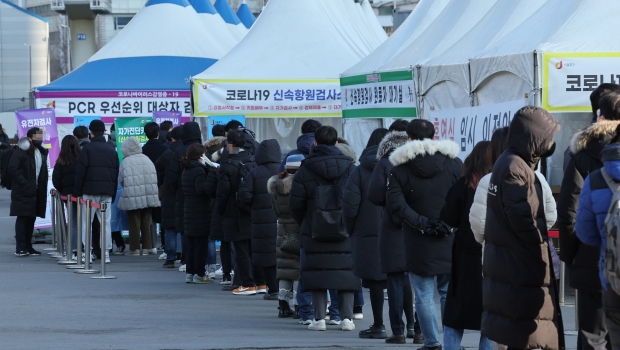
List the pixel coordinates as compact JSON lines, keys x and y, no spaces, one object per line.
{"x":327,"y":265}
{"x":279,"y":188}
{"x":581,"y":259}
{"x":28,"y":194}
{"x":63,"y":178}
{"x":391,"y":238}
{"x":191,"y":134}
{"x":362,"y":219}
{"x":96,"y":172}
{"x":5,"y":143}
{"x":168,"y":200}
{"x":197,"y":208}
{"x":155,"y":149}
{"x":463,"y":309}
{"x":417,"y":189}
{"x":520,"y":300}
{"x":253,"y":193}
{"x":217,"y":232}
{"x":235,"y":216}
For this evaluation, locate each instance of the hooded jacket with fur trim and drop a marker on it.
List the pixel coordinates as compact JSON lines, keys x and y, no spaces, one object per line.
{"x":215,"y":147}
{"x":581,"y":259}
{"x":391,"y":241}
{"x":423,"y":173}
{"x":28,"y":193}
{"x":279,"y":187}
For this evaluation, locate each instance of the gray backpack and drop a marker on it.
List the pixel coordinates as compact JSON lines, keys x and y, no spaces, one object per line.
{"x":612,"y":225}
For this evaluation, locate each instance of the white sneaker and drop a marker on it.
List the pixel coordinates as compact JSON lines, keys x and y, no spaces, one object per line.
{"x":133,"y":252}
{"x":163,"y":256}
{"x":182,"y":268}
{"x":219,"y":272}
{"x":347,"y":325}
{"x":211,"y":274}
{"x":334,"y":323}
{"x":107,"y":257}
{"x":317,"y":325}
{"x":358,"y":316}
{"x":305,"y":322}
{"x":149,"y":251}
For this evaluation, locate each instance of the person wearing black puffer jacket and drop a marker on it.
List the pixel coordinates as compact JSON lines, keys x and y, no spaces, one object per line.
{"x":362,"y":219}
{"x":168,"y":200}
{"x":28,"y":171}
{"x":581,"y":259}
{"x":391,"y":243}
{"x":253,"y":194}
{"x":196,"y":214}
{"x":96,"y":178}
{"x":423,"y":172}
{"x":191,"y":134}
{"x":326,"y":265}
{"x":236,"y":219}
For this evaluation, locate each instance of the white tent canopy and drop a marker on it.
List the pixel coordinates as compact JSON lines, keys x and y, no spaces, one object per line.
{"x":304,"y":51}
{"x":372,"y":20}
{"x":417,"y":22}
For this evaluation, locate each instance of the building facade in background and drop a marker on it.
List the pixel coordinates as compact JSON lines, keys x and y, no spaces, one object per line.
{"x":24,"y":55}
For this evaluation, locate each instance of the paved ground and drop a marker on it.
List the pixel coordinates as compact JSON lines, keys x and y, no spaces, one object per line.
{"x":45,"y":306}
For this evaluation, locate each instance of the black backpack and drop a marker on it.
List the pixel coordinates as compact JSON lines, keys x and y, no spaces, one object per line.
{"x":243,"y":169}
{"x":328,"y":222}
{"x":5,"y":177}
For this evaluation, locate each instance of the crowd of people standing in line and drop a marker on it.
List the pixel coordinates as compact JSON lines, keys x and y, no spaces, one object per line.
{"x":411,"y":217}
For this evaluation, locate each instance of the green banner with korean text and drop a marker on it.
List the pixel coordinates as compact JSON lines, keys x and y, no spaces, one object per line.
{"x":379,"y":95}
{"x":128,"y":127}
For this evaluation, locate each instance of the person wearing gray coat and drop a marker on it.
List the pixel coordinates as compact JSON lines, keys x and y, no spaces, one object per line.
{"x":140,"y":193}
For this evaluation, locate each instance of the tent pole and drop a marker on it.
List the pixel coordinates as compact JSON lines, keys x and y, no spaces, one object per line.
{"x":536,"y":91}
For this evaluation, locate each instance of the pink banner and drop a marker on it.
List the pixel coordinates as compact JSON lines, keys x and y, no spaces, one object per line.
{"x":46,"y":120}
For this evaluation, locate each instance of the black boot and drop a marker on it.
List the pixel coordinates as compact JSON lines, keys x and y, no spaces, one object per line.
{"x":285,"y":310}
{"x":296,"y":316}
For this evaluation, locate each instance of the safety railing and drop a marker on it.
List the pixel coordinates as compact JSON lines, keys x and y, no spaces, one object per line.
{"x":62,"y":228}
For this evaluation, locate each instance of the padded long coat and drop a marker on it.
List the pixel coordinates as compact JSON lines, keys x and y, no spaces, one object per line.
{"x":28,"y":194}
{"x":168,"y":200}
{"x":197,"y":209}
{"x":279,"y":188}
{"x":362,"y":219}
{"x":326,"y":265}
{"x":391,"y":238}
{"x":521,"y":308}
{"x":96,"y":172}
{"x":138,"y":178}
{"x":254,"y":194}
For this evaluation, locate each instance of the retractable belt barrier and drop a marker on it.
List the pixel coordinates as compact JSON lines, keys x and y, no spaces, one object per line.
{"x":63,"y":226}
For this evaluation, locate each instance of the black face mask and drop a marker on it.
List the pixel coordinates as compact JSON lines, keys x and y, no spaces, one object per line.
{"x":37,"y":143}
{"x":550,"y":152}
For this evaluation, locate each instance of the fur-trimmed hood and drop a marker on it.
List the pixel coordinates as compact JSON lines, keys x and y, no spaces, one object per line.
{"x":24,"y":143}
{"x":280,"y":186}
{"x":599,"y":132}
{"x":215,"y":141}
{"x":390,"y":142}
{"x":214,"y":147}
{"x":425,"y":158}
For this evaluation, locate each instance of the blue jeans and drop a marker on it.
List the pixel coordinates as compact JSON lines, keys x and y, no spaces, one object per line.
{"x":452,"y":339}
{"x":334,"y":310}
{"x":425,"y":307}
{"x":304,"y":299}
{"x":74,"y":219}
{"x":211,"y":253}
{"x":359,"y":297}
{"x":172,"y":239}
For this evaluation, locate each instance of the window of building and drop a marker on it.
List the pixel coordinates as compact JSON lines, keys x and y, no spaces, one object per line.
{"x":386,"y":10}
{"x":121,"y":22}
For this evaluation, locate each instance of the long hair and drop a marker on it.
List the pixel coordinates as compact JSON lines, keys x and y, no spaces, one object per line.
{"x":376,"y":137}
{"x":69,"y":151}
{"x":194,"y":152}
{"x":477,"y":164}
{"x":499,"y":143}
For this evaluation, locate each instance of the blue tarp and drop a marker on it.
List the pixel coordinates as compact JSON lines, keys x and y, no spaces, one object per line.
{"x":245,"y":15}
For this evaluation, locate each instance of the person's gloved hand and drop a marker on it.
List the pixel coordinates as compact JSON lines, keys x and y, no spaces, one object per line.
{"x":436,"y":227}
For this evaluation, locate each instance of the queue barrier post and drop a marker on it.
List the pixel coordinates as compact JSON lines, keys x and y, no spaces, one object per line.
{"x":78,"y":254}
{"x":87,"y":245}
{"x":60,"y":223}
{"x":103,"y":276}
{"x":53,"y":247}
{"x":68,"y":241}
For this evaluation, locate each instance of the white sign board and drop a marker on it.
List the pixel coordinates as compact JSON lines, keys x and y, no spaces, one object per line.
{"x":570,"y":78}
{"x":470,"y":125}
{"x":267,"y":98}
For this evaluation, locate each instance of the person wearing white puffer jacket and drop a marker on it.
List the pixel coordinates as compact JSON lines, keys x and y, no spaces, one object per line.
{"x":140,"y":193}
{"x":478,"y":211}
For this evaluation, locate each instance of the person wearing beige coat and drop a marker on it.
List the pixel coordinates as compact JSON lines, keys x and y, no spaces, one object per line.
{"x":140,"y":193}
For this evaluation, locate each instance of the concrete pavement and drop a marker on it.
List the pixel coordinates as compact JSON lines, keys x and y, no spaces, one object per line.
{"x":45,"y":306}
